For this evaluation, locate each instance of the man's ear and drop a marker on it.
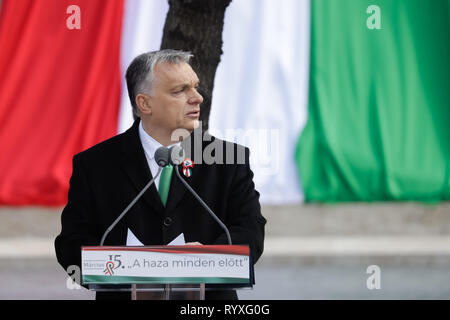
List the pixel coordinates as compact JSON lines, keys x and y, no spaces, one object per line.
{"x":143,"y":103}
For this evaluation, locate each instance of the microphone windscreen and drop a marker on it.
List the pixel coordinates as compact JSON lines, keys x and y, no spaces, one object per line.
{"x":162,"y":156}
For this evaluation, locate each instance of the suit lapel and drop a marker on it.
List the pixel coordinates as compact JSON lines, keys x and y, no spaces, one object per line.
{"x":135,"y":165}
{"x":177,"y":188}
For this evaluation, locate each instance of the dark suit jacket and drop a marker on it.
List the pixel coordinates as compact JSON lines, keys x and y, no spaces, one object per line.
{"x":108,"y":176}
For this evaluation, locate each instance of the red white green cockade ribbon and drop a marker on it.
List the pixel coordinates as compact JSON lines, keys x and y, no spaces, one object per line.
{"x":188,"y":164}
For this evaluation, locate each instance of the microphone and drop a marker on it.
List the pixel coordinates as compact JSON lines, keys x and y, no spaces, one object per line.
{"x":162,"y":159}
{"x":176,"y":156}
{"x":162,"y":156}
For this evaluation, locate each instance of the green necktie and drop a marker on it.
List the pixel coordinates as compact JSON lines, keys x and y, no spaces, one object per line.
{"x":164,"y":183}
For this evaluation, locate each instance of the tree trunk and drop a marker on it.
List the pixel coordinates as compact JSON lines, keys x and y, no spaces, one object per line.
{"x":196,"y":26}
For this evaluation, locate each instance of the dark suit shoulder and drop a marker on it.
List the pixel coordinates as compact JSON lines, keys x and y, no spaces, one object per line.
{"x":209,"y":138}
{"x":105,"y":149}
{"x":231,"y":152}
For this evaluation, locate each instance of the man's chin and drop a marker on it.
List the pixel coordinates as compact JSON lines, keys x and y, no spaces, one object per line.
{"x":192,"y":124}
{"x":196,"y":124}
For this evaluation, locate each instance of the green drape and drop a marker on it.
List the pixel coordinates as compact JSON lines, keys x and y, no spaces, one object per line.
{"x":379,"y":102}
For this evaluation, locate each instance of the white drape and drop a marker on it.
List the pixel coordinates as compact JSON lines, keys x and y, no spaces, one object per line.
{"x":261,"y":88}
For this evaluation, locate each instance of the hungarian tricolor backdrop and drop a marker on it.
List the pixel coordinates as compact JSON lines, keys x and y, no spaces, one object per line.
{"x":339,"y":100}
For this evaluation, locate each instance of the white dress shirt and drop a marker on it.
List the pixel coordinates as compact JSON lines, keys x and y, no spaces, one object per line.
{"x":150,"y":146}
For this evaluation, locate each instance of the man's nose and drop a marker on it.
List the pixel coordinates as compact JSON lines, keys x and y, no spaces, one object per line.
{"x":196,"y":98}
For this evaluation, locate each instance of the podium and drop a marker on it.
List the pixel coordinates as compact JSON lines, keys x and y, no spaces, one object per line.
{"x":167,"y":270}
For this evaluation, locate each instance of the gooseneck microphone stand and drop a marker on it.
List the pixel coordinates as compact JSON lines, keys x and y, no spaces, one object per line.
{"x":124,"y":212}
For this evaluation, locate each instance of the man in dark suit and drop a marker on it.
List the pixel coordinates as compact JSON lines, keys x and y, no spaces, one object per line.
{"x":107,"y":177}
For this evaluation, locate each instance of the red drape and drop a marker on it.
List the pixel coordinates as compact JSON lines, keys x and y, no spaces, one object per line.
{"x":59,"y":92}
